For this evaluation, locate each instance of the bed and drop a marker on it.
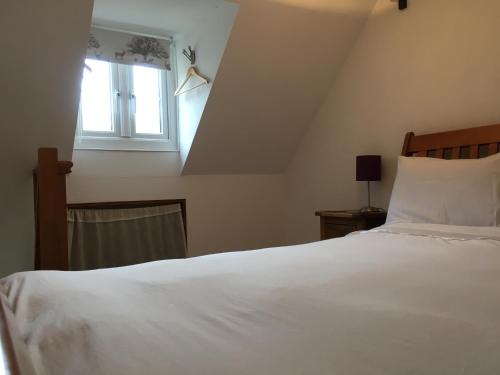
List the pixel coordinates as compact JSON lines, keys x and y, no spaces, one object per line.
{"x":405,"y":298}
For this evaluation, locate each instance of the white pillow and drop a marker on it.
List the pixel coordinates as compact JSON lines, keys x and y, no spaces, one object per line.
{"x":454,"y":192}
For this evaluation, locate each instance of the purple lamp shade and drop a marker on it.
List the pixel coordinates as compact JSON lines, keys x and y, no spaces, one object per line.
{"x":368,"y":168}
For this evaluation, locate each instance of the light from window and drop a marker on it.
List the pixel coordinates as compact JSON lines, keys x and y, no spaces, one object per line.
{"x":125,"y":107}
{"x":147,"y":100}
{"x":97,"y":99}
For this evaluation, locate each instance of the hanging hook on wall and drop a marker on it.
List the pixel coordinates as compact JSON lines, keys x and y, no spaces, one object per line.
{"x":192,"y":73}
{"x":190,"y":55}
{"x":403,"y":4}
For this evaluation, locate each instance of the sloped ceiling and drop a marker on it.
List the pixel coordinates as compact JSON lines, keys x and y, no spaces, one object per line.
{"x":279,"y":63}
{"x":43,"y":46}
{"x":160,"y":17}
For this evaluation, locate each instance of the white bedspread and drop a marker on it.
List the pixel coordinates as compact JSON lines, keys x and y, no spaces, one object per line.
{"x":404,"y":299}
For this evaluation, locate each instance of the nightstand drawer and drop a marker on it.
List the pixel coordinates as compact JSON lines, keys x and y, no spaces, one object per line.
{"x":334,"y":230}
{"x":340,"y":223}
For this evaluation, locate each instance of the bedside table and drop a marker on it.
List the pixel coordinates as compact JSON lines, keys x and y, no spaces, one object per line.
{"x":339,"y":223}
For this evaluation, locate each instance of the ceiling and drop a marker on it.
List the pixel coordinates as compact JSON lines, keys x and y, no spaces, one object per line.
{"x":160,"y":17}
{"x":279,"y":64}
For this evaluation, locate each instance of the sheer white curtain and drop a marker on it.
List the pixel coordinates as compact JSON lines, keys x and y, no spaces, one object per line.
{"x":102,"y":238}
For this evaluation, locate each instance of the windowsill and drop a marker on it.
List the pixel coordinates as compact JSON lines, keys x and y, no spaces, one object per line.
{"x":124,"y":144}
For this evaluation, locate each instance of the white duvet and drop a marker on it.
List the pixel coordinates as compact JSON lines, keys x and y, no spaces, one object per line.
{"x":404,"y":299}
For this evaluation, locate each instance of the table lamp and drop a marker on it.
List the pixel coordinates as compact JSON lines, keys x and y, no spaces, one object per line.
{"x":369,"y":168}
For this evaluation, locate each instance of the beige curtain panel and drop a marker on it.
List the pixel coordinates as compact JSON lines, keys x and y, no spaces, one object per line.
{"x":103,"y":238}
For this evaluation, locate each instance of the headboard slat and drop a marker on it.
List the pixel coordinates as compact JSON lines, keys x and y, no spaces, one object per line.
{"x":474,"y":151}
{"x":492,"y":149}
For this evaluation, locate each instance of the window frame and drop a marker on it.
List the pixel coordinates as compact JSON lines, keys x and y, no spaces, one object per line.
{"x":125,"y":138}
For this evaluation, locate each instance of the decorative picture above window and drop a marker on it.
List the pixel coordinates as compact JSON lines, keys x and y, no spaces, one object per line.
{"x":127,"y":94}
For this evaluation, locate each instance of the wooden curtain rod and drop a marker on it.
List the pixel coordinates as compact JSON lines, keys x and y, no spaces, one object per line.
{"x":133,"y":204}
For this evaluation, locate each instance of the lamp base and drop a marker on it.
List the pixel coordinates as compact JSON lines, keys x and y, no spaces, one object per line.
{"x":369,"y":209}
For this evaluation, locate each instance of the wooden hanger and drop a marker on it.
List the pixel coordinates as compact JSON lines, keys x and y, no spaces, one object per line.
{"x":191,"y":56}
{"x":190,"y":74}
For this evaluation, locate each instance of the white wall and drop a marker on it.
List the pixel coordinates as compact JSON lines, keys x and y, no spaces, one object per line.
{"x":278,"y":66}
{"x":43,"y":45}
{"x":208,"y":39}
{"x":233,"y":212}
{"x":434,"y":67}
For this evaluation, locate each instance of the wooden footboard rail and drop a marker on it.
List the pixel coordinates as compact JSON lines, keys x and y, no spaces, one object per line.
{"x":51,"y":247}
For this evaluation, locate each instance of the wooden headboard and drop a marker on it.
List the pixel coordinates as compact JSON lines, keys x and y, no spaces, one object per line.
{"x":472,"y":143}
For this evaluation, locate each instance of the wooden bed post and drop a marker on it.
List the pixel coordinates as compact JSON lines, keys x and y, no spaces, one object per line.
{"x":51,"y":248}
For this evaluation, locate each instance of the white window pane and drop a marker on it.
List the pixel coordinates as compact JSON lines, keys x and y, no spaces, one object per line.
{"x":147,"y":100}
{"x":97,"y":97}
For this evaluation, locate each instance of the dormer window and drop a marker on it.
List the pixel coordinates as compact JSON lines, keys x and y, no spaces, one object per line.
{"x":126,"y":106}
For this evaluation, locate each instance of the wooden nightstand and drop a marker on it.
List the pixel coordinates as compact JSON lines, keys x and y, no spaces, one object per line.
{"x":339,"y":223}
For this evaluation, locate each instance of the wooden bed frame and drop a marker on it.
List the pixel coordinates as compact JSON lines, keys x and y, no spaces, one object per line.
{"x":51,"y":208}
{"x":470,"y":143}
{"x":51,"y":223}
